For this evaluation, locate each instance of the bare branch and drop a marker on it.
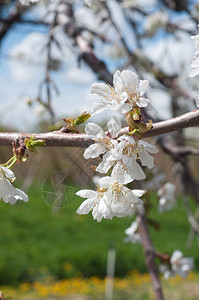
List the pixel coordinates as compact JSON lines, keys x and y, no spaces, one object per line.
{"x":14,"y":16}
{"x":190,"y":119}
{"x":61,"y":139}
{"x":150,"y":256}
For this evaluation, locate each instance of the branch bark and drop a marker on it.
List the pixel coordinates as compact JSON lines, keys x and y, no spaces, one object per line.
{"x":150,"y":257}
{"x":61,"y":139}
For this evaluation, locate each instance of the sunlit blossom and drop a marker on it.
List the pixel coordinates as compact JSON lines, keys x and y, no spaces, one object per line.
{"x":194,"y":63}
{"x":179,"y":265}
{"x":126,"y":93}
{"x":103,"y":142}
{"x":27,"y":2}
{"x":8,"y":193}
{"x":111,"y":199}
{"x":123,"y":159}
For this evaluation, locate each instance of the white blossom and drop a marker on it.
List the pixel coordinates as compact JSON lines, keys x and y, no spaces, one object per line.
{"x":132,"y":234}
{"x":195,"y":39}
{"x":8,"y":193}
{"x":127,"y":92}
{"x":96,"y":203}
{"x":27,"y":2}
{"x":166,"y":271}
{"x":155,"y":20}
{"x":111,"y":199}
{"x":167,"y":197}
{"x":123,"y":159}
{"x":103,"y":142}
{"x":180,"y":265}
{"x":194,"y":63}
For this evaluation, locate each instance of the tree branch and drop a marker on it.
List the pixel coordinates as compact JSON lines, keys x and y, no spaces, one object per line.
{"x":190,"y":119}
{"x":61,"y":139}
{"x":150,"y":256}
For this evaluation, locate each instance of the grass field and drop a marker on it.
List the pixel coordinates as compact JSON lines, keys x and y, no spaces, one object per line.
{"x":37,"y":244}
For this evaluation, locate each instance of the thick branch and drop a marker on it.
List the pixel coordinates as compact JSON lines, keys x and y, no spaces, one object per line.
{"x":150,"y":256}
{"x":190,"y":119}
{"x":61,"y":139}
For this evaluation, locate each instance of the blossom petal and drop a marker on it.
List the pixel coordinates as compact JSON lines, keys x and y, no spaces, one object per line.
{"x":114,"y":126}
{"x":98,"y":108}
{"x":176,"y":256}
{"x":123,"y":200}
{"x":143,"y":102}
{"x":85,"y":207}
{"x":94,"y":130}
{"x":143,"y":86}
{"x":135,"y":200}
{"x":148,"y":147}
{"x":146,"y":159}
{"x":20,"y":195}
{"x":104,"y":210}
{"x":106,"y":182}
{"x":124,"y":108}
{"x":195,"y":38}
{"x":119,"y":174}
{"x":101,"y":89}
{"x":138,"y":193}
{"x":194,"y":72}
{"x":86,"y":193}
{"x":94,"y":150}
{"x":117,"y":82}
{"x":134,"y":169}
{"x":96,"y":214}
{"x":9,"y":193}
{"x":8,"y":173}
{"x":130,"y":80}
{"x":105,"y":164}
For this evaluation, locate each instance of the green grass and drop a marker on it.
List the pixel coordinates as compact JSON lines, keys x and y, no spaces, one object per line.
{"x":35,"y":243}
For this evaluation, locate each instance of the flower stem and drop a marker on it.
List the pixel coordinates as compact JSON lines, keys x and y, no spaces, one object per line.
{"x":10,"y":162}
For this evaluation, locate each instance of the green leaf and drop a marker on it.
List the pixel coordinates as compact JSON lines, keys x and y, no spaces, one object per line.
{"x":82,"y":118}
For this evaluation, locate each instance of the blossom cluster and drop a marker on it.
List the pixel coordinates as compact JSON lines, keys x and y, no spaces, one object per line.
{"x":122,"y":155}
{"x":179,"y":265}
